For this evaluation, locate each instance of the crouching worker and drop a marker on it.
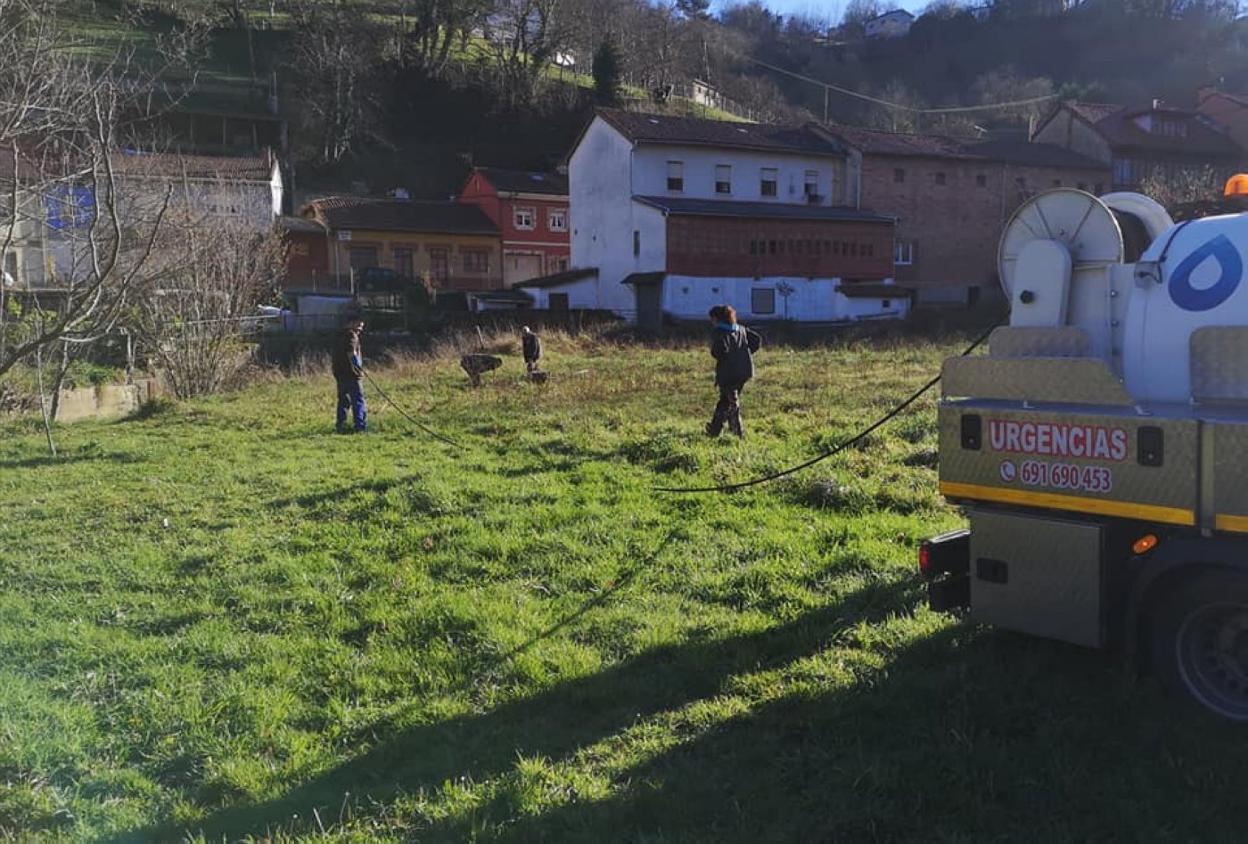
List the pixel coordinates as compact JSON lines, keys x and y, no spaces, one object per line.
{"x":532,"y":349}
{"x":348,"y":365}
{"x":733,"y":348}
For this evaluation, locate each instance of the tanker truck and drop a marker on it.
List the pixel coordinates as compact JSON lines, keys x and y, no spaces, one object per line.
{"x":1099,"y":449}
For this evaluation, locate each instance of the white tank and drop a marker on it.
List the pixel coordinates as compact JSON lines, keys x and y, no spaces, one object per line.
{"x":1190,"y":277}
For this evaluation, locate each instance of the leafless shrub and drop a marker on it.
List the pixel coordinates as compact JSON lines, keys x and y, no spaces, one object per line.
{"x":198,"y":304}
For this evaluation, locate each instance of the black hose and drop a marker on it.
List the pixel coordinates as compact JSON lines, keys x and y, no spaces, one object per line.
{"x":408,"y":416}
{"x":836,"y":449}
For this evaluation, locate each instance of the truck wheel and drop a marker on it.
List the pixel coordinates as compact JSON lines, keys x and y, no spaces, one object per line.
{"x":1200,"y":643}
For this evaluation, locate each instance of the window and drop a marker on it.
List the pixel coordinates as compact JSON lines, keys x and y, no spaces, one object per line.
{"x":812,"y":185}
{"x":886,"y":303}
{"x":522,"y":218}
{"x":476,"y":261}
{"x":981,"y":180}
{"x":676,"y":176}
{"x":767,"y":182}
{"x":558,"y":302}
{"x":557,"y":219}
{"x":439,"y":264}
{"x":939,"y":178}
{"x":403,"y":261}
{"x":763,"y":300}
{"x":903,"y":253}
{"x":561,"y":265}
{"x":636,"y":242}
{"x":362,"y":257}
{"x":899,"y":176}
{"x":1122,"y":171}
{"x":723,"y":178}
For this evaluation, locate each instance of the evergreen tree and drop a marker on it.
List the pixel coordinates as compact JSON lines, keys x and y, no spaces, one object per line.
{"x":606,"y":70}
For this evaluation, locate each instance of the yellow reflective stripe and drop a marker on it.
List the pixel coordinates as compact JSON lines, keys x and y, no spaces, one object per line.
{"x":1055,"y":501}
{"x":1225,"y":521}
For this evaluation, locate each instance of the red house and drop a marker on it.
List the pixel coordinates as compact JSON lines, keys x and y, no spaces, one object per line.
{"x":531,"y":211}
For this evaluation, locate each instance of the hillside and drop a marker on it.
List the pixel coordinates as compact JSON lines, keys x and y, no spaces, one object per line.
{"x":383,"y":94}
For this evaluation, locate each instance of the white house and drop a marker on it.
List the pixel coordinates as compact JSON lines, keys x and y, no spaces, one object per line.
{"x":892,"y":24}
{"x":672,"y":215}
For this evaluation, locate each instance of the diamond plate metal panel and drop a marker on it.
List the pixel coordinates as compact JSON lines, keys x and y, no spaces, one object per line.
{"x":1054,"y":380}
{"x":1021,"y":451}
{"x":1039,"y":576}
{"x":1230,"y":479}
{"x":1219,"y":363}
{"x":1062,"y":342}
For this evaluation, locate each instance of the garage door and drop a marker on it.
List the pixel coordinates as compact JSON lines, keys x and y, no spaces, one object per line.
{"x":521,"y":268}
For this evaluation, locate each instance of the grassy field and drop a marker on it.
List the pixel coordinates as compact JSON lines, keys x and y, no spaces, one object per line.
{"x":222,"y":620}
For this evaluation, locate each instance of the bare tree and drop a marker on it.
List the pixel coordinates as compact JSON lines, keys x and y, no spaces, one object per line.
{"x":71,"y":255}
{"x":525,"y":36}
{"x":1174,"y":187}
{"x":200,"y":296}
{"x":336,"y":53}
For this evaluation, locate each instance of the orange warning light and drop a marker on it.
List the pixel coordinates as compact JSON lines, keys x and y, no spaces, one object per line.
{"x":1144,"y":544}
{"x":1237,"y":185}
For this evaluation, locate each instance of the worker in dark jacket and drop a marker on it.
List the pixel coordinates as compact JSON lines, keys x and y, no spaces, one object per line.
{"x":732,"y":347}
{"x":532,"y":348}
{"x":348,"y":365}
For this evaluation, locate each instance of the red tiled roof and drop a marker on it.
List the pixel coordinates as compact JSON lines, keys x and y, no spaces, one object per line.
{"x":901,"y":144}
{"x":345,"y":212}
{"x":1116,"y":124}
{"x":525,"y":181}
{"x":255,"y":168}
{"x":693,"y":131}
{"x":877,"y":142}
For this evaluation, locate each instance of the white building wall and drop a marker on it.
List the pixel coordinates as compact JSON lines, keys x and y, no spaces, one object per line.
{"x":604,"y":218}
{"x":808,"y":300}
{"x":650,"y":174}
{"x":582,"y":294}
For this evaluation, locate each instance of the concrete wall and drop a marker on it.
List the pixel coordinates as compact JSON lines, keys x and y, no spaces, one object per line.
{"x":650,"y":174}
{"x":810,"y":299}
{"x":582,"y":295}
{"x":109,"y":401}
{"x":953,"y":227}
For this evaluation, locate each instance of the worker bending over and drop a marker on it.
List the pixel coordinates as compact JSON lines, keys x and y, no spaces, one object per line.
{"x":532,"y":349}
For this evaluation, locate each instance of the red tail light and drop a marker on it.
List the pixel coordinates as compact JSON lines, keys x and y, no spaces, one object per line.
{"x":925,"y":559}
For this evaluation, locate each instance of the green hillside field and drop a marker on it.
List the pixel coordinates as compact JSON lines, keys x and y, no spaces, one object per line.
{"x":222,"y":620}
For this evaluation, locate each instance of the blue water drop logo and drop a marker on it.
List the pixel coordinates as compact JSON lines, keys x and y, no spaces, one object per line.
{"x":1191,"y":299}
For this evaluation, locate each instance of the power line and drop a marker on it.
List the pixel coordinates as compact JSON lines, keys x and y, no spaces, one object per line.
{"x":828,"y":86}
{"x":856,"y":438}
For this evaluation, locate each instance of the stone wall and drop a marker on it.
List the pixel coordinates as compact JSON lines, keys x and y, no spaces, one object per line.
{"x":108,"y":401}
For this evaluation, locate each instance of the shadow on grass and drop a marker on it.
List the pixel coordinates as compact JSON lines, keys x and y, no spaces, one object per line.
{"x":554,"y":723}
{"x":964,"y":735}
{"x":66,"y":458}
{"x":340,"y":494}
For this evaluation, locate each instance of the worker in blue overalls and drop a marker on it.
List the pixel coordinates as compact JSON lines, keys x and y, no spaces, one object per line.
{"x":348,"y":365}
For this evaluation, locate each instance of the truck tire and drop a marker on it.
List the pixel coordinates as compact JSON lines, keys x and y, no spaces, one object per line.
{"x":1199,"y":642}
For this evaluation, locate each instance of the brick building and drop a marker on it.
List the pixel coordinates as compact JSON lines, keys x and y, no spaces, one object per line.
{"x":1139,"y":142}
{"x":452,"y":246}
{"x":530,"y":210}
{"x":673,"y":215}
{"x":1230,"y":111}
{"x":952,"y":198}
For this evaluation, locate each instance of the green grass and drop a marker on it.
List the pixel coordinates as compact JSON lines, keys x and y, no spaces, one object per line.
{"x":224,"y":620}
